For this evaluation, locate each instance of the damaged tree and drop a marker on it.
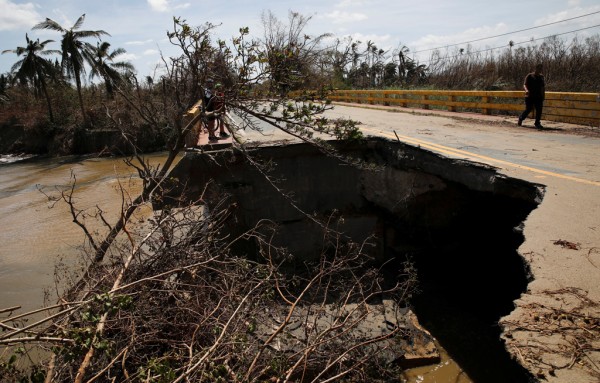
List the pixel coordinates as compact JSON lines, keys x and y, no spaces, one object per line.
{"x":170,"y":300}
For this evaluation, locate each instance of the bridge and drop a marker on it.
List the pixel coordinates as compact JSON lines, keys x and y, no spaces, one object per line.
{"x":562,"y":236}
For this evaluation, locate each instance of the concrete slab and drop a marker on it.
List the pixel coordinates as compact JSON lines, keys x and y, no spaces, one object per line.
{"x":203,"y":140}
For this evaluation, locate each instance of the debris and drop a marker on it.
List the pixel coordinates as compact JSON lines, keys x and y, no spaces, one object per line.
{"x":567,"y":244}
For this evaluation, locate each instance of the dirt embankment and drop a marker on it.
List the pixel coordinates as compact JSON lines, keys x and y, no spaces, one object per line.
{"x":17,"y":138}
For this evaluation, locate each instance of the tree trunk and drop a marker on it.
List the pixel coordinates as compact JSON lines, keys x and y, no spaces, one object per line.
{"x":45,"y":90}
{"x":78,"y":83}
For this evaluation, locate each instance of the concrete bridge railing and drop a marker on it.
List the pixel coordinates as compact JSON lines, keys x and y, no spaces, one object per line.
{"x":570,"y":107}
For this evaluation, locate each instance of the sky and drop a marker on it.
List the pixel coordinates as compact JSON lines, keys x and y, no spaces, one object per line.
{"x":140,"y":26}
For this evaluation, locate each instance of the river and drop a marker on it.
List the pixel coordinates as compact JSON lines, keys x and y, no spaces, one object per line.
{"x":36,"y":233}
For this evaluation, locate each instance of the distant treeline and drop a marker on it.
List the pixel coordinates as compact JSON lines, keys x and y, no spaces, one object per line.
{"x":569,"y":66}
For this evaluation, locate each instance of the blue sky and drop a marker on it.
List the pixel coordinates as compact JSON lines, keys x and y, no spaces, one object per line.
{"x":140,"y":26}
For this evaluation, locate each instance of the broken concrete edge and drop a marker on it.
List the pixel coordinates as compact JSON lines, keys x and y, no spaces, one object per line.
{"x":246,"y":145}
{"x":488,"y":178}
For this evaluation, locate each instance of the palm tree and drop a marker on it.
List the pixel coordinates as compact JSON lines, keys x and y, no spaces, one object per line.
{"x":104,"y":65}
{"x":33,"y":68}
{"x":416,"y":73}
{"x":403,"y":63}
{"x":75,"y":52}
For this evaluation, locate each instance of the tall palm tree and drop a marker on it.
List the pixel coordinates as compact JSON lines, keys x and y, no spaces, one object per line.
{"x":105,"y":66}
{"x":75,"y":51}
{"x":33,"y":69}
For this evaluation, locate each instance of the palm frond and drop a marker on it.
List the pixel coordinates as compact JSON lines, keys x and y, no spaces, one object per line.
{"x":79,"y":22}
{"x":16,"y":66}
{"x":43,"y":43}
{"x":123,"y":65}
{"x":49,"y":24}
{"x":51,"y":52}
{"x":84,"y":34}
{"x":117,"y":52}
{"x":103,"y":47}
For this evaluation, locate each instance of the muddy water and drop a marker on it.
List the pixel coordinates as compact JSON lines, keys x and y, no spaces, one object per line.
{"x":36,"y":234}
{"x":446,"y":371}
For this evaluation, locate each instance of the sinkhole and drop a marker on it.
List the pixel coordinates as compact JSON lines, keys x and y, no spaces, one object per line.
{"x":459,"y":223}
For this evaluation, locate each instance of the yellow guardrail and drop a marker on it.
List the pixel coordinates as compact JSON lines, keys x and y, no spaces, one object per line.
{"x":576,"y":108}
{"x":191,"y":139}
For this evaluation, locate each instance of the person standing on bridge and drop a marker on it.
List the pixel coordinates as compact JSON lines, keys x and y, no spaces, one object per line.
{"x":212,"y":111}
{"x":535,"y":93}
{"x":219,"y":104}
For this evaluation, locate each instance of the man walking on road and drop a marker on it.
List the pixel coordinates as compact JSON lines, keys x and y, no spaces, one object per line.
{"x":535,"y":92}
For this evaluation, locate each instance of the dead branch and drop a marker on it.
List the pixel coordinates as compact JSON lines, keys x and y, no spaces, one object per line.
{"x":576,"y":320}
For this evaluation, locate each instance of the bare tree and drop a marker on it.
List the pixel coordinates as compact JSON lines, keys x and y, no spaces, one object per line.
{"x":291,"y":54}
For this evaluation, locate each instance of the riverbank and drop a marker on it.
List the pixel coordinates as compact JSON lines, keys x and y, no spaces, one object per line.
{"x":17,"y":139}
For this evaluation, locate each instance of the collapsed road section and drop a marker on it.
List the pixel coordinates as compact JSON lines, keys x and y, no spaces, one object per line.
{"x":457,"y":222}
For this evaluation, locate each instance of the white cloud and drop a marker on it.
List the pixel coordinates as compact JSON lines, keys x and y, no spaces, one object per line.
{"x":139,"y":42}
{"x":127,"y":57}
{"x":167,"y":5}
{"x":149,"y":52}
{"x":183,"y":6}
{"x":381,"y":41}
{"x":573,"y":12}
{"x":340,"y":17}
{"x":377,"y":39}
{"x":16,"y":16}
{"x":350,"y":3}
{"x":159,"y":5}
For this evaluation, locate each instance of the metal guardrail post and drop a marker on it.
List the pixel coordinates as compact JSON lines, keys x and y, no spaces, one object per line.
{"x":425,"y":97}
{"x":451,"y":108}
{"x":485,"y":100}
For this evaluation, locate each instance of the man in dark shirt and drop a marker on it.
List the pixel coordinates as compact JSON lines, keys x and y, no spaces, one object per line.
{"x":212,"y":110}
{"x":535,"y":92}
